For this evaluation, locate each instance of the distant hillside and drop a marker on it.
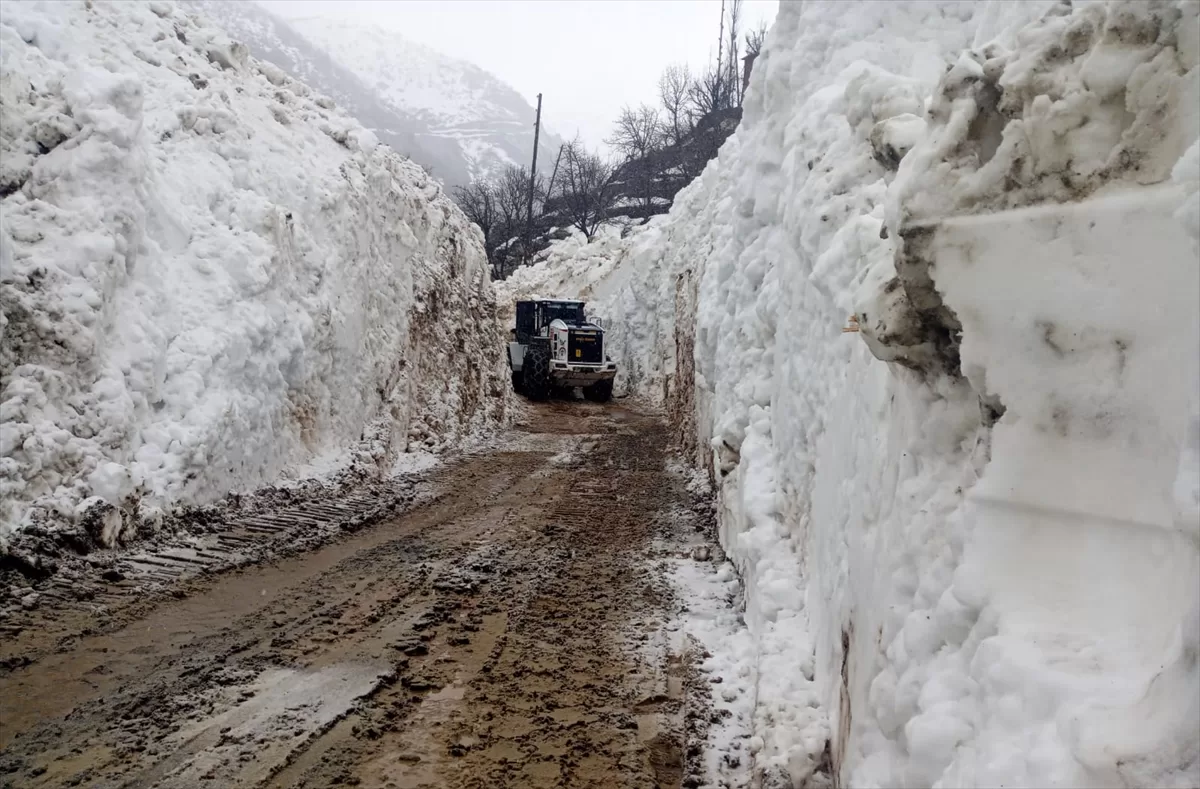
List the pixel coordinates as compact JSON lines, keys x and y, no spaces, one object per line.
{"x":447,"y":114}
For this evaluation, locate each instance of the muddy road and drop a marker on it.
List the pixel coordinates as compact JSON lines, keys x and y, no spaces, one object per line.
{"x":511,"y":631}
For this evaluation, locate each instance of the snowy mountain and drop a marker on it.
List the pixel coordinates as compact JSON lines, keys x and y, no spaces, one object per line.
{"x":210,"y":276}
{"x":447,"y":114}
{"x":273,"y":41}
{"x":929,"y":323}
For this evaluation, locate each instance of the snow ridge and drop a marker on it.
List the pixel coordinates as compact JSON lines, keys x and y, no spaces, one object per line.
{"x":209,"y":274}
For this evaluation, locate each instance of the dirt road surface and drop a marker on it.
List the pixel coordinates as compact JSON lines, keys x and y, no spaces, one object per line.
{"x":510,"y":632}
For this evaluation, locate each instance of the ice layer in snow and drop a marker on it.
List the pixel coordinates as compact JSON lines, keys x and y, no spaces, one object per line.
{"x":210,"y":274}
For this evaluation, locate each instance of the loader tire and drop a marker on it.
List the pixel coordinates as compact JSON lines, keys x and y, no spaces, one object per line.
{"x":599,"y":392}
{"x":535,"y":379}
{"x":518,"y":380}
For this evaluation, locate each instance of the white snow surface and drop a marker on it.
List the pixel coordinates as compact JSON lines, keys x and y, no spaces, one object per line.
{"x":1004,"y":196}
{"x":209,"y":276}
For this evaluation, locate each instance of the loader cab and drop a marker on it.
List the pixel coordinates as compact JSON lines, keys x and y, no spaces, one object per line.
{"x":534,"y":317}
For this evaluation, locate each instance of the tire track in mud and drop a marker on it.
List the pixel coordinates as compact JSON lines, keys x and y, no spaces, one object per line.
{"x":509,"y":634}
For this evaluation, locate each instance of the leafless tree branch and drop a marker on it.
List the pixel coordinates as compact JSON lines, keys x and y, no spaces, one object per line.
{"x":586,"y":188}
{"x":673,"y":88}
{"x":755,"y":38}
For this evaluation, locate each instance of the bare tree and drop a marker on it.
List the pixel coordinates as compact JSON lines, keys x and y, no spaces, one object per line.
{"x":709,"y":92}
{"x":512,"y":195}
{"x":756,"y":38}
{"x":512,"y":190}
{"x":637,"y":132}
{"x":673,"y":88}
{"x":721,"y":38}
{"x":586,"y":188}
{"x":638,"y":137}
{"x":499,"y":207}
{"x":735,"y":20}
{"x":478,"y":202}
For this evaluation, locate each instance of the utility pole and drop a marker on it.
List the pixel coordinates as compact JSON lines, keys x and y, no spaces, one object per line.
{"x":554,"y":174}
{"x":537,"y":128}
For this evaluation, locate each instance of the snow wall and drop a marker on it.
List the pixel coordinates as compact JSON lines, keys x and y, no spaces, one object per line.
{"x":968,"y":526}
{"x":210,"y":275}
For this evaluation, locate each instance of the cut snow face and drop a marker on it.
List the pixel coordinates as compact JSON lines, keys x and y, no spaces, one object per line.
{"x":210,"y":275}
{"x":1086,"y":571}
{"x":968,"y":542}
{"x":1095,"y":100}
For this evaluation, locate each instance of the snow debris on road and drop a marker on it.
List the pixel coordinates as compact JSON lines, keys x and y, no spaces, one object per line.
{"x":210,"y":277}
{"x":969,"y":541}
{"x":729,"y":664}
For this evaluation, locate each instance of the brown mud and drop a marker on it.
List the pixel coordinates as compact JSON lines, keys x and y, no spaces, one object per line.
{"x":508,"y":630}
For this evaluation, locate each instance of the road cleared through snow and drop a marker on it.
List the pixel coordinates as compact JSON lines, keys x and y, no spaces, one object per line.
{"x":521,"y":628}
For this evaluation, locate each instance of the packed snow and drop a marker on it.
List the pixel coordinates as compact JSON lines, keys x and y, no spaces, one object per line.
{"x":211,"y":276}
{"x":930,"y":323}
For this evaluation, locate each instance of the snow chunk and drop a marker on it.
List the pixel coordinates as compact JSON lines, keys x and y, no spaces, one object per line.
{"x":365,"y":140}
{"x":894,"y":137}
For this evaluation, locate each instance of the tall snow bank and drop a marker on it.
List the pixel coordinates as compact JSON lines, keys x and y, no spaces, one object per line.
{"x":1087,"y":574}
{"x":210,"y":274}
{"x":922,"y":616}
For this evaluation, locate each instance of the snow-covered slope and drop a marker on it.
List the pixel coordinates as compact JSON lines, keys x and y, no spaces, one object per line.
{"x":447,"y":114}
{"x":969,"y":527}
{"x":274,"y":41}
{"x":209,"y":274}
{"x":462,"y":106}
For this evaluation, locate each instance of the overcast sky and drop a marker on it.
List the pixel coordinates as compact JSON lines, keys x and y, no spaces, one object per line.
{"x":587,"y":57}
